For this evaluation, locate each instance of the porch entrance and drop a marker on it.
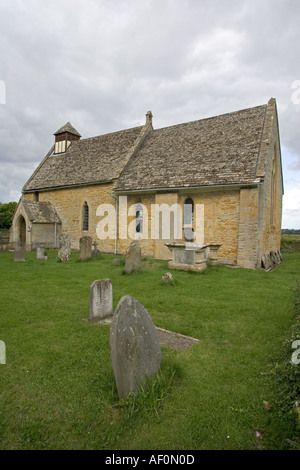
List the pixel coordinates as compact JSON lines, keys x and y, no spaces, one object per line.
{"x":22,"y":231}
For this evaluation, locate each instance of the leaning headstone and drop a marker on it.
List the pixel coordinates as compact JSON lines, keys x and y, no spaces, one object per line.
{"x":20,"y":252}
{"x":134,"y":346}
{"x":85,"y":248}
{"x":133,"y":257}
{"x":101,"y":299}
{"x":64,"y":247}
{"x":41,"y":253}
{"x":274,"y":260}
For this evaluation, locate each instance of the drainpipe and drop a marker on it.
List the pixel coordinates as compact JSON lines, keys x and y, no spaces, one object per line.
{"x":54,"y":234}
{"x":116,"y":234}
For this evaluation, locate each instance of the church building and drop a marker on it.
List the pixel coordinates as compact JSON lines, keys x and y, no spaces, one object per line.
{"x":224,"y":172}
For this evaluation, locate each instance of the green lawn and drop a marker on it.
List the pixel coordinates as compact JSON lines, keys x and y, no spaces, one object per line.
{"x":57,"y":387}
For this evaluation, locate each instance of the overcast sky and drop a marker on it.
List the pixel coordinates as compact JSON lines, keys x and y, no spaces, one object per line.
{"x":102,"y":64}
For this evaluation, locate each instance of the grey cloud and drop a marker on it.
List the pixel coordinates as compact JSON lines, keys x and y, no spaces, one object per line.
{"x":102,"y":65}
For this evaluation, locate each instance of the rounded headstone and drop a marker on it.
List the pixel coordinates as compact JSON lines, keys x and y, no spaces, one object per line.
{"x":134,"y":346}
{"x":133,"y":257}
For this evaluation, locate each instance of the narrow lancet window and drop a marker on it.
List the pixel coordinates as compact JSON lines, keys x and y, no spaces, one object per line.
{"x":188,"y":220}
{"x":85,"y":225}
{"x":139,"y":218}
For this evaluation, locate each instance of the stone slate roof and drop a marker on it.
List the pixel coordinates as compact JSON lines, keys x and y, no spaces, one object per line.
{"x":87,"y":161}
{"x":40,"y":212}
{"x":215,"y":151}
{"x":222,"y":150}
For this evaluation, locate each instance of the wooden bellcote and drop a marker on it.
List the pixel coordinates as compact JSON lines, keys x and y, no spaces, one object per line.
{"x":64,"y":136}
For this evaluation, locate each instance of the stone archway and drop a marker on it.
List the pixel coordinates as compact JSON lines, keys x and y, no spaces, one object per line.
{"x":22,"y":231}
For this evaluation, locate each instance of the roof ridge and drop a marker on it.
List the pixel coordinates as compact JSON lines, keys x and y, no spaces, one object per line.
{"x":108,"y":133}
{"x":212,"y":117}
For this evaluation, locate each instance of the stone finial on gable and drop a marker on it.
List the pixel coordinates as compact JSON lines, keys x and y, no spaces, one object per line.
{"x":149,"y":117}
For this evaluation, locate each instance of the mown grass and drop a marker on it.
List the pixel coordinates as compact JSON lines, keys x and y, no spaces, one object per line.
{"x":57,"y":387}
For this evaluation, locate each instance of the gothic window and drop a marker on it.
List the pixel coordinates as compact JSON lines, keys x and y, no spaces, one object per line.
{"x":139,"y":218}
{"x":85,"y":225}
{"x":188,"y":220}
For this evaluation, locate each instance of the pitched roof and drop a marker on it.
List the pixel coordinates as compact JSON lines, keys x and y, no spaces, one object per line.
{"x":214,"y":151}
{"x":86,"y":161}
{"x":67,"y":128}
{"x":221,"y":150}
{"x":40,"y":212}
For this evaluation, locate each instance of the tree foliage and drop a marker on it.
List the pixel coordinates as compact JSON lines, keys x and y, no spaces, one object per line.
{"x":6,"y":214}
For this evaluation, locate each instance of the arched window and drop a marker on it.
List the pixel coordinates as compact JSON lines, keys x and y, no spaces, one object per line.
{"x":188,"y":220}
{"x":139,"y":218}
{"x":85,"y":218}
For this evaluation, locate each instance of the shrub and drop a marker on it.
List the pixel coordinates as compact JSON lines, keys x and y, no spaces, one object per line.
{"x":287,"y":371}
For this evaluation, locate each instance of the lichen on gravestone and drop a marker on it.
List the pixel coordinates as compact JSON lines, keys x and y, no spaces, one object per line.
{"x":134,"y":346}
{"x":64,"y":247}
{"x":133,"y":257}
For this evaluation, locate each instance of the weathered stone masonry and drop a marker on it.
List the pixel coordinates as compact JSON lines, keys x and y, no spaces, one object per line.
{"x":230,"y":164}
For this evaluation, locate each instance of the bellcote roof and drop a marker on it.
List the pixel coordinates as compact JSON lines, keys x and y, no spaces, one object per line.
{"x":67,"y":128}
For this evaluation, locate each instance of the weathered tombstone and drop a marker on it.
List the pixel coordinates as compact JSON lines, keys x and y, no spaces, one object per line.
{"x":41,"y":253}
{"x":134,"y":346}
{"x":64,"y":247}
{"x":101,"y":299}
{"x":133,"y":257}
{"x":273,"y":258}
{"x":85,"y":248}
{"x":20,"y":251}
{"x":95,"y":251}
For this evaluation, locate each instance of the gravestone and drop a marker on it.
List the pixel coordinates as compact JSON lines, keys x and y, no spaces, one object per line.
{"x":41,"y":253}
{"x":133,"y":257}
{"x":95,"y":251}
{"x":134,"y":346}
{"x":64,"y":247}
{"x":20,"y":252}
{"x":85,"y":248}
{"x":266,"y":263}
{"x":101,"y":299}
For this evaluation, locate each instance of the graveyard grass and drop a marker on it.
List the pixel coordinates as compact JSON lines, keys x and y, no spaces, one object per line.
{"x":57,"y":388}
